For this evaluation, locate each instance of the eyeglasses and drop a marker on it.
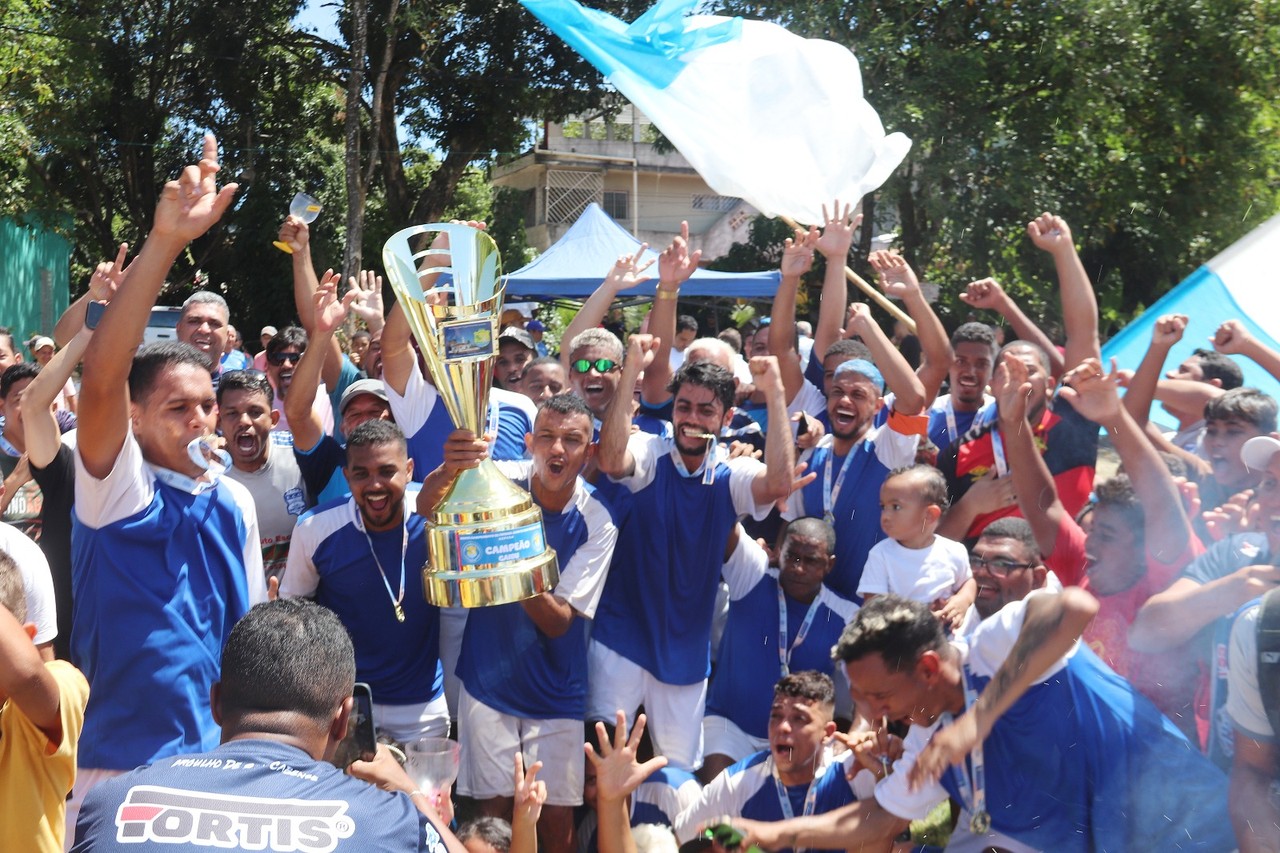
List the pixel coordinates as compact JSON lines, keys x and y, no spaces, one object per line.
{"x":282,"y":357}
{"x":602,"y":365}
{"x":998,"y":566}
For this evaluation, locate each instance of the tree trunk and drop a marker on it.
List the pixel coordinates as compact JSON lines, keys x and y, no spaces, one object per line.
{"x":356,"y":184}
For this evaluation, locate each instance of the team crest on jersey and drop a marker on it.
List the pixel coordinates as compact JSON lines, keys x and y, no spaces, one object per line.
{"x":176,"y":816}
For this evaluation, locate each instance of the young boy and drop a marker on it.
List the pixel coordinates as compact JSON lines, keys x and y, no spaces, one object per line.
{"x":914,"y":562}
{"x":41,"y":712}
{"x":543,"y":378}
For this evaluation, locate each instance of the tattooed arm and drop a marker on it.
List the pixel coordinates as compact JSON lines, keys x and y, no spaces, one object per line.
{"x":1050,"y":626}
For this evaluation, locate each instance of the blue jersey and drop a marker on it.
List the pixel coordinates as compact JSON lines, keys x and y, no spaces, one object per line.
{"x":663,"y":795}
{"x":157,"y":592}
{"x":856,"y":510}
{"x":506,"y":662}
{"x":748,"y":664}
{"x":657,"y":603}
{"x":332,"y":560}
{"x":750,"y":789}
{"x":250,"y":795}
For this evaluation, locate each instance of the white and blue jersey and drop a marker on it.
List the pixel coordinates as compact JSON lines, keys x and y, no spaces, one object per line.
{"x":330,"y":559}
{"x":657,"y":603}
{"x":663,"y":795}
{"x":250,"y":795}
{"x":506,"y":662}
{"x":750,"y":789}
{"x":748,"y":662}
{"x":1081,"y":762}
{"x":854,"y":494}
{"x":163,"y":568}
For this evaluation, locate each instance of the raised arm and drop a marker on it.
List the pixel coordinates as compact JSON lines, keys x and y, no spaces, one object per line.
{"x":1232,"y":338}
{"x":908,"y":392}
{"x":1141,"y":389}
{"x":618,"y":773}
{"x":40,"y":427}
{"x":1172,"y":617}
{"x":675,"y":265}
{"x":1166,"y":527}
{"x":103,"y":283}
{"x":626,"y":271}
{"x":797,"y":259}
{"x":899,"y":281}
{"x":615,"y":459}
{"x":328,"y":313}
{"x":188,"y":207}
{"x":774,"y":482}
{"x":1051,"y":625}
{"x":1051,"y":234}
{"x":989,"y":295}
{"x":838,"y":229}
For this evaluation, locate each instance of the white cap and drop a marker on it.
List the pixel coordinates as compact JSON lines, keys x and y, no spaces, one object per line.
{"x":1257,"y":452}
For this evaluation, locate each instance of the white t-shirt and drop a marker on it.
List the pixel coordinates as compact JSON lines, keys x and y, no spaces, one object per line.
{"x":1244,"y":700}
{"x":37,"y":582}
{"x":920,"y":574}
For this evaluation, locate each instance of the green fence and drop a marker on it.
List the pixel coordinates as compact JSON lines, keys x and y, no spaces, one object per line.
{"x":35,"y":289}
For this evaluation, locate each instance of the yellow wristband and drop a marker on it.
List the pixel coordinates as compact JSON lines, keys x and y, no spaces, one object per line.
{"x":668,"y":294}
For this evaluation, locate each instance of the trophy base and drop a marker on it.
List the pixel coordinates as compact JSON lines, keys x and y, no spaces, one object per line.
{"x":487,"y":545}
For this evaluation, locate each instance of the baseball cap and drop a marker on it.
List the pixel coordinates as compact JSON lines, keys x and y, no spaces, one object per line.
{"x":40,"y":343}
{"x":269,"y":330}
{"x":519,"y":335}
{"x":362,"y":386}
{"x":1257,"y":452}
{"x":535,"y":326}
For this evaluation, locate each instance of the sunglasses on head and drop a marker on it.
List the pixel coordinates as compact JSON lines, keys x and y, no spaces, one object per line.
{"x":602,"y":365}
{"x":282,"y":357}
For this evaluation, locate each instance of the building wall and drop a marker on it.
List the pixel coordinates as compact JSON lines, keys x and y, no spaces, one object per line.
{"x":36,"y":281}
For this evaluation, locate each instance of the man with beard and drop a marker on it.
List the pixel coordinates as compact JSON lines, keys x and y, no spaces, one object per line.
{"x":523,"y":666}
{"x":853,"y":459}
{"x":651,"y":640}
{"x":360,"y":557}
{"x":165,"y":552}
{"x":246,"y":418}
{"x":788,"y":778}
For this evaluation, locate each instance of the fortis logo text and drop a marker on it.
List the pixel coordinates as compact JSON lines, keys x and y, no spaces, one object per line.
{"x":175,"y":816}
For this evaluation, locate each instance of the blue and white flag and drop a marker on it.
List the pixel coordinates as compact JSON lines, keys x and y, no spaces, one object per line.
{"x":1240,"y":283}
{"x":762,"y":114}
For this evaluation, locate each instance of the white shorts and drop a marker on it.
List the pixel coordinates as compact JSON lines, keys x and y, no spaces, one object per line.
{"x":490,"y":740}
{"x":407,"y":723}
{"x":964,"y":841}
{"x":722,"y":736}
{"x":674,"y":710}
{"x":453,"y":621}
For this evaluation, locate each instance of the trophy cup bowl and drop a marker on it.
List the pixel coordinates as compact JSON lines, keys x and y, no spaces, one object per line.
{"x":485,"y":537}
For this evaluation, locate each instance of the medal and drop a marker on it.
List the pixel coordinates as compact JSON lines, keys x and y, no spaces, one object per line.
{"x":399,"y":612}
{"x":980,"y":823}
{"x":404,"y":549}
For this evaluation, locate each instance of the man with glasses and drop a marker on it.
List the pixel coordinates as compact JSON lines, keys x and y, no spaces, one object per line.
{"x":595,"y":366}
{"x":284,"y":351}
{"x":780,"y":621}
{"x":1007,"y":565}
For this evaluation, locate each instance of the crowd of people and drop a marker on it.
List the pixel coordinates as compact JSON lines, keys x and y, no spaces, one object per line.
{"x":870,"y":591}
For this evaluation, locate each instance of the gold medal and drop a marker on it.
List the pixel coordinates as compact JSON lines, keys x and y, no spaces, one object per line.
{"x":399,"y":612}
{"x":980,"y":823}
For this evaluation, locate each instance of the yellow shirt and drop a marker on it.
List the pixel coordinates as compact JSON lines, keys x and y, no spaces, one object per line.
{"x":35,"y":774}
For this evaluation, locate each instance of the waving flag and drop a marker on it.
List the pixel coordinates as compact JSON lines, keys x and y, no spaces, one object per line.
{"x":762,"y":114}
{"x":1240,"y":283}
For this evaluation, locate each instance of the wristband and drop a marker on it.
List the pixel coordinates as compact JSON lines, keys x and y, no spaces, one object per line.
{"x":668,"y":294}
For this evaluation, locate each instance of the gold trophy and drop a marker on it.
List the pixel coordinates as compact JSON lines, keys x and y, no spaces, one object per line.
{"x":486,"y":541}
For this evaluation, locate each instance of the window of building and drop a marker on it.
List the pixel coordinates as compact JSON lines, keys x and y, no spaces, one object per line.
{"x":716,"y":203}
{"x":615,"y":204}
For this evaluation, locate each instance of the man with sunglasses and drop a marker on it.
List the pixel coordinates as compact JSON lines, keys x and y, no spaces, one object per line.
{"x":284,"y":351}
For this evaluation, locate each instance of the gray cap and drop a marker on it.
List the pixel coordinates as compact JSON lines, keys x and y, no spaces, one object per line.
{"x":362,"y":386}
{"x":519,"y":335}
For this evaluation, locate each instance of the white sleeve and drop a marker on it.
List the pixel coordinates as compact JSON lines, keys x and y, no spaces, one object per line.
{"x":582,"y":580}
{"x":300,"y":579}
{"x":724,"y":796}
{"x":742,"y":475}
{"x":875,"y":572}
{"x":1244,"y":698}
{"x":745,"y":568}
{"x":411,"y":409}
{"x":37,"y":581}
{"x":645,"y":450}
{"x":992,"y":641}
{"x":125,"y":491}
{"x":809,"y":399}
{"x":254,"y":573}
{"x":893,"y":449}
{"x":895,"y":796}
{"x":515,"y":469}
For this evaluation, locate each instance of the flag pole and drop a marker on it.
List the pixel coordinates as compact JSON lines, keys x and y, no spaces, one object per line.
{"x":879,"y":298}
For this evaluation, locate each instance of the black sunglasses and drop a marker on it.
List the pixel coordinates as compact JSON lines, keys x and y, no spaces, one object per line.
{"x":282,"y":357}
{"x":602,"y":365}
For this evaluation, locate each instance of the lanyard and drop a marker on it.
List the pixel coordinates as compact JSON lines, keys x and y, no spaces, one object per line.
{"x":972,"y":785}
{"x":785,"y":652}
{"x":8,"y":447}
{"x":491,"y":427}
{"x":952,"y":433}
{"x":183,"y":483}
{"x":404,"y":550}
{"x":997,"y":450}
{"x":784,"y":801}
{"x":710,"y":460}
{"x":831,"y":493}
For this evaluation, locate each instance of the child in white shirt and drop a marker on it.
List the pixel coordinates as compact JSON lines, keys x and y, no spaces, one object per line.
{"x":914,"y":562}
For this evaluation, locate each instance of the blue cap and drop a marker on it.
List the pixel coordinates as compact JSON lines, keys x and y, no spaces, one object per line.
{"x":863,"y":367}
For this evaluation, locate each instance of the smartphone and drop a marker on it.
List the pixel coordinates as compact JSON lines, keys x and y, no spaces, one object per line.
{"x":93,"y":313}
{"x":360,"y":729}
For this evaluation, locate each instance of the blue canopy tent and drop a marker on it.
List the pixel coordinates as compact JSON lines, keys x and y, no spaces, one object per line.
{"x":574,"y":266}
{"x":1242,"y":283}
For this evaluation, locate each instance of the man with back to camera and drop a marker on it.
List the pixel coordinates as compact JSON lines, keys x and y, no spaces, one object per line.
{"x":268,"y":785}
